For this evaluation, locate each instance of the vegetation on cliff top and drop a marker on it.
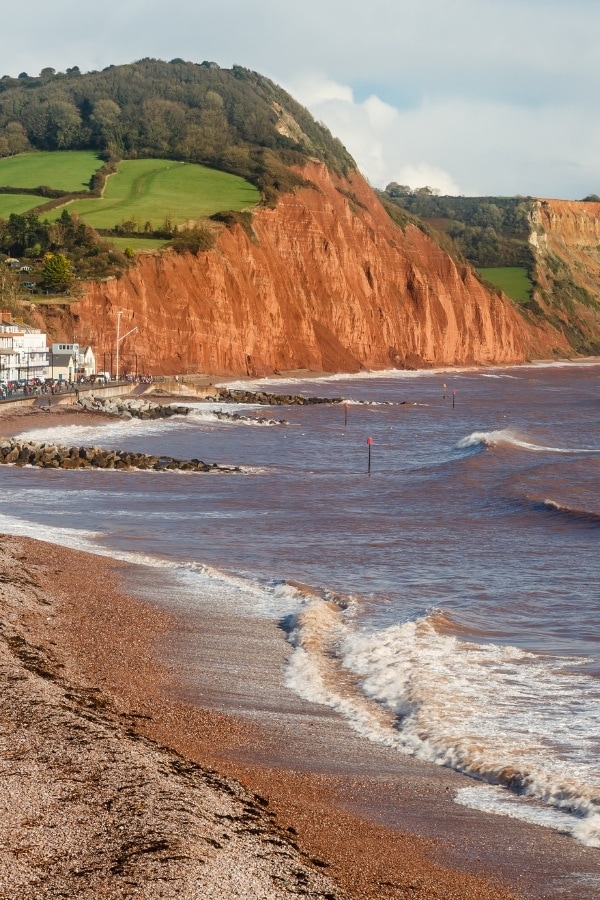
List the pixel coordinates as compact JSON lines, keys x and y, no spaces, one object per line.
{"x":143,"y":193}
{"x":489,"y":231}
{"x":230,"y":119}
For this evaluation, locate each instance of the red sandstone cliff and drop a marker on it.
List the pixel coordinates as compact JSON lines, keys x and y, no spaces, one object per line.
{"x":565,"y":237}
{"x":330,"y":284}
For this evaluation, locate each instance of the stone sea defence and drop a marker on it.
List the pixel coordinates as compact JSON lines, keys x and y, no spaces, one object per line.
{"x":142,"y":409}
{"x":264,"y":399}
{"x":131,"y":408}
{"x":254,"y":420}
{"x":52,"y":456}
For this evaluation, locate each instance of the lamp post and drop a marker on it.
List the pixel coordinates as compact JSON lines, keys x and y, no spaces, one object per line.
{"x":121,"y":338}
{"x":119,"y":314}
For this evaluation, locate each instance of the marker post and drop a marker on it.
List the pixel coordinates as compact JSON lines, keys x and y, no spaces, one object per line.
{"x":369,"y":443}
{"x":453,"y":398}
{"x":345,"y":414}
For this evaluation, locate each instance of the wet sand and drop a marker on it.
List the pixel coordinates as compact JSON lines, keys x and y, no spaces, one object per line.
{"x":16,"y":419}
{"x":351,"y":817}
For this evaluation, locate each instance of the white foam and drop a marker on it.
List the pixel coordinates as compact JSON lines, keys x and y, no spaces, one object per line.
{"x":407,"y":374}
{"x":105,"y":433}
{"x":500,"y":714}
{"x":510,"y":437}
{"x":492,"y":799}
{"x":499,"y":802}
{"x":241,"y":595}
{"x":495,"y":375}
{"x":209,"y":414}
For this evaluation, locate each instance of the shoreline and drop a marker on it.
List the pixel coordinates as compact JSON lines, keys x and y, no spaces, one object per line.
{"x":92,"y":808}
{"x":113,"y":647}
{"x":98,"y":647}
{"x":27,"y":418}
{"x":378,"y":834}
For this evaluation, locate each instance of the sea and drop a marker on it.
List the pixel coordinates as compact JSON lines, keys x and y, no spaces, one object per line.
{"x":426,"y":544}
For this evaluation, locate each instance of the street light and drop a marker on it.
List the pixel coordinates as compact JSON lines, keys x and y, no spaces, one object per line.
{"x":119,"y":314}
{"x":119,"y":339}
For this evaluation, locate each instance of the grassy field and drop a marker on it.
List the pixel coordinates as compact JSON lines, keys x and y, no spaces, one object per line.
{"x":18,"y":203}
{"x":64,"y":170}
{"x":138,"y":244}
{"x":41,"y":300}
{"x":515,"y":282}
{"x":150,"y":190}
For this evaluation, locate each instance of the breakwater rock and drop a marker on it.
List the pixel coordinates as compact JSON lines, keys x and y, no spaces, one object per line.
{"x":52,"y":456}
{"x":131,"y":408}
{"x":224,"y":395}
{"x":252,"y":420}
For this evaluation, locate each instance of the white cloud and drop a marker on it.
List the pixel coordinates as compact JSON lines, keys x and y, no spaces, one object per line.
{"x":380,"y":115}
{"x":464,"y":145}
{"x":372,"y":131}
{"x":319,"y":89}
{"x":424,"y":175}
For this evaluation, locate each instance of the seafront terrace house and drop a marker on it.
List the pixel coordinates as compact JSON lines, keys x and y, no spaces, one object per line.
{"x":23,"y":350}
{"x":86,"y":362}
{"x":70,"y":361}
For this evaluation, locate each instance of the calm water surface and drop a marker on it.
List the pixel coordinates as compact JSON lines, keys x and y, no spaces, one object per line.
{"x":447,"y":605}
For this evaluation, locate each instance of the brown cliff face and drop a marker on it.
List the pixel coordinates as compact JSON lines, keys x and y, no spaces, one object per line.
{"x":330,"y":284}
{"x":565,"y":238}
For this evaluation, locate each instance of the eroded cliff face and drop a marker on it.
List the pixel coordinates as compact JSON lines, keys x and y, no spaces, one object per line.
{"x":330,"y":284}
{"x":565,"y":237}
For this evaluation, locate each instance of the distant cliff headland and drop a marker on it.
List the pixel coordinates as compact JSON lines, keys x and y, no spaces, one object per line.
{"x":272,"y":253}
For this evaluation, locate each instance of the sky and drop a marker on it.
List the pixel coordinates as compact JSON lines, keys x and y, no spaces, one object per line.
{"x":472,"y":97}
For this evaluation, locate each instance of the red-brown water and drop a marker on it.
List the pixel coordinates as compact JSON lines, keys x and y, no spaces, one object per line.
{"x":447,"y":605}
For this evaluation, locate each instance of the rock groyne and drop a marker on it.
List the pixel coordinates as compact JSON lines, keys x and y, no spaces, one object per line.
{"x":128,"y":408}
{"x":224,"y":395}
{"x":53,"y":456}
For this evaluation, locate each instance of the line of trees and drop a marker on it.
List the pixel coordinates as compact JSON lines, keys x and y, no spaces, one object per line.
{"x":489,"y":231}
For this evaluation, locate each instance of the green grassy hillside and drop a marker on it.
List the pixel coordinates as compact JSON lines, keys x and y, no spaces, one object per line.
{"x":64,"y":171}
{"x":16,"y":204}
{"x":145,"y":192}
{"x":513,"y":280}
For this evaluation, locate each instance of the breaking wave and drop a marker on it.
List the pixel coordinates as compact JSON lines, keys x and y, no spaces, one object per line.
{"x":572,"y":513}
{"x":499,"y":714}
{"x":509,"y":438}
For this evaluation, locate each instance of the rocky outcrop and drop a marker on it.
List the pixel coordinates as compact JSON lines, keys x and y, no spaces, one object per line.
{"x":51,"y":456}
{"x":328,"y":282}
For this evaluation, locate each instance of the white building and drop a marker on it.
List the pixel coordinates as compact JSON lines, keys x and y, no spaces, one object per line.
{"x":86,"y":362}
{"x":63,"y":362}
{"x":25,"y":355}
{"x":23,"y":350}
{"x":68,"y":361}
